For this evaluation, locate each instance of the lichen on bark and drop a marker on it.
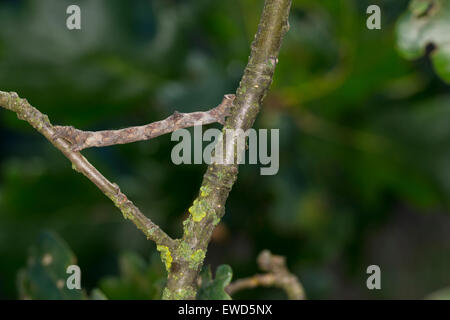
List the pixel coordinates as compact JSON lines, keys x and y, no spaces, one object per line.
{"x":183,"y":257}
{"x":209,"y":207}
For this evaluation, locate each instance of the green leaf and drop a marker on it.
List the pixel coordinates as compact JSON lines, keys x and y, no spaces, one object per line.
{"x":137,"y":280}
{"x":427,"y":22}
{"x":45,"y":274}
{"x":214,"y":289}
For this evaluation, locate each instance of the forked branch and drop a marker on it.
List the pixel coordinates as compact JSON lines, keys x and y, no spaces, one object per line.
{"x":183,"y":257}
{"x":39,"y":121}
{"x":209,"y":206}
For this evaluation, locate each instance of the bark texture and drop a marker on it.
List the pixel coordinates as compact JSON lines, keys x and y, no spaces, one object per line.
{"x":209,"y":207}
{"x":183,"y":257}
{"x":86,"y":139}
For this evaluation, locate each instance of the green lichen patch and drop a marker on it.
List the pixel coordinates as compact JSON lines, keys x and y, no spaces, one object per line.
{"x":193,"y":257}
{"x":196,"y":259}
{"x":199,"y":210}
{"x":184,"y":250}
{"x":179,"y":294}
{"x":122,"y":204}
{"x":204,"y":191}
{"x":166,"y":257}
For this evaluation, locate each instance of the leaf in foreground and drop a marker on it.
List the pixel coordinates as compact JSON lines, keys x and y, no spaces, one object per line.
{"x":214,"y":289}
{"x":425,"y":24}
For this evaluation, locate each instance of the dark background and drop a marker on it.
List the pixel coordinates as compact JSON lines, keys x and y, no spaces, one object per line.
{"x":364,"y":160}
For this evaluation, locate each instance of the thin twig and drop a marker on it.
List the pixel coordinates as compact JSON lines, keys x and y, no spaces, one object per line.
{"x":278,"y":276}
{"x":86,"y":139}
{"x":39,"y":121}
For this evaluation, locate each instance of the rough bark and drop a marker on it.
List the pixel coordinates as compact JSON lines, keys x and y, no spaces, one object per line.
{"x":183,"y":257}
{"x":86,"y":139}
{"x":208,"y":208}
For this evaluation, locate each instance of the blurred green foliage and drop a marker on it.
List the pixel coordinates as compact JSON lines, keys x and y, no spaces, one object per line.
{"x":45,"y":275}
{"x":138,"y":279}
{"x":364,"y":168}
{"x":443,"y":294}
{"x":214,"y":289}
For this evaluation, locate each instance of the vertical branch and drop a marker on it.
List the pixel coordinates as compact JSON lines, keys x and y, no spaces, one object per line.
{"x":209,"y":207}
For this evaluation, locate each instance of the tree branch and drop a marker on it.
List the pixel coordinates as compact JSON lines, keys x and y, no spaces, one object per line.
{"x":39,"y":121}
{"x":85,"y":139}
{"x":183,"y":257}
{"x":278,"y":276}
{"x":208,"y":208}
